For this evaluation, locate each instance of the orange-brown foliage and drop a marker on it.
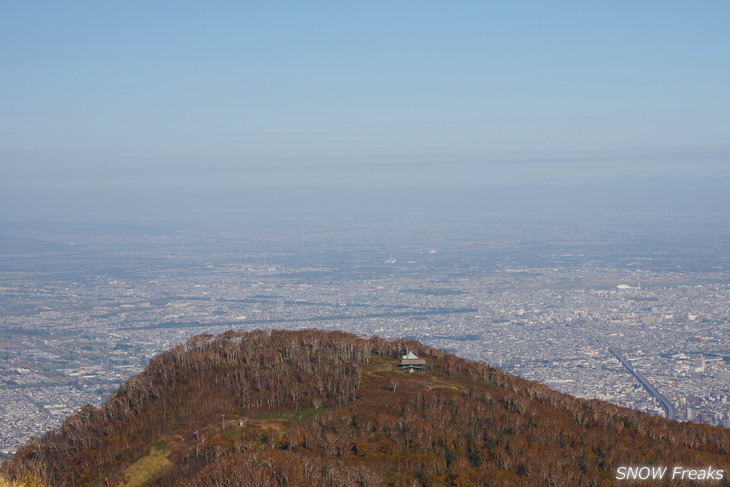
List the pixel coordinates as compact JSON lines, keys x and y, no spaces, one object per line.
{"x":448,"y":425}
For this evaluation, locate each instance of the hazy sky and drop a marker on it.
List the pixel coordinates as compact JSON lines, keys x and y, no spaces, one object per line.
{"x":127,"y":109}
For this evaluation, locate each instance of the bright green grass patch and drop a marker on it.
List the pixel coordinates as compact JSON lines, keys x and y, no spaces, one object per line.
{"x":146,"y":468}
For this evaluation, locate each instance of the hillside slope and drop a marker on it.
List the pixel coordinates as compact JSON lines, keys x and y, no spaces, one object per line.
{"x":311,"y":408}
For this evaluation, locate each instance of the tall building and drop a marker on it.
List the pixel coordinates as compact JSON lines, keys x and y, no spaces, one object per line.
{"x":700,"y":364}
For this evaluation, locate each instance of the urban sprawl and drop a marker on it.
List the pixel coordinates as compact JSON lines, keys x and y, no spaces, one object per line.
{"x":71,"y":338}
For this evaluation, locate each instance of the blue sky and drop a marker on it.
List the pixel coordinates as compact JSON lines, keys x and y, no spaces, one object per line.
{"x":145,"y":98}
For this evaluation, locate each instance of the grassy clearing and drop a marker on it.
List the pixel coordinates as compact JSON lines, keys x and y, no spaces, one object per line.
{"x":17,"y":483}
{"x":445,"y":386}
{"x":147,"y":467}
{"x":379,"y":364}
{"x":233,"y":434}
{"x":305,"y":414}
{"x":278,"y":424}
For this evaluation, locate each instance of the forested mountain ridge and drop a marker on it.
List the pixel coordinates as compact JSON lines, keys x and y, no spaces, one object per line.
{"x":315,"y":408}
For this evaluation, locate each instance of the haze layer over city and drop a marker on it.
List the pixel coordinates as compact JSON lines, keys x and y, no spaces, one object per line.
{"x":543,"y":188}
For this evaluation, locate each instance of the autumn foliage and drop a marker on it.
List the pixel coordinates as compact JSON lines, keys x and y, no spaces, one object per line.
{"x":312,"y":408}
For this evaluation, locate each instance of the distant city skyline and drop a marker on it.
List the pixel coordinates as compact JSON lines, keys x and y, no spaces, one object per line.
{"x":138,"y":111}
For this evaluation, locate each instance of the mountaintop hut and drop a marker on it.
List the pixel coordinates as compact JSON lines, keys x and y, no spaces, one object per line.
{"x":411,"y":362}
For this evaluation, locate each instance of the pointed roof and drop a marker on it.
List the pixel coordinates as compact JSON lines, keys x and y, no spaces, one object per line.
{"x":409,"y":356}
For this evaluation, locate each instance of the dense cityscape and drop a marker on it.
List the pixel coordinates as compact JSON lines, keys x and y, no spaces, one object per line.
{"x":82,"y":312}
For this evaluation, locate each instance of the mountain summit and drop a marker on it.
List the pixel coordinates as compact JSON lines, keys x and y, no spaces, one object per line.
{"x":315,"y":408}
